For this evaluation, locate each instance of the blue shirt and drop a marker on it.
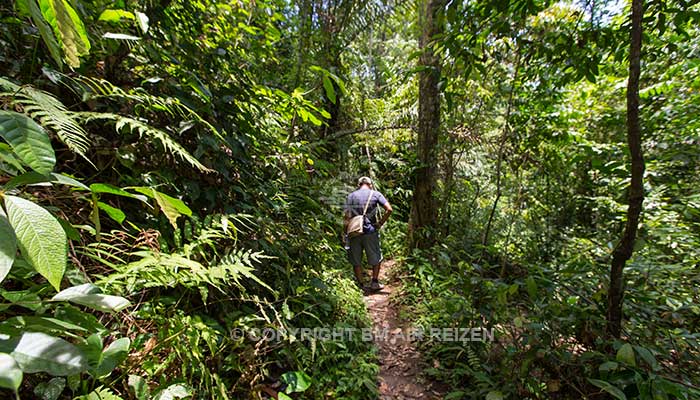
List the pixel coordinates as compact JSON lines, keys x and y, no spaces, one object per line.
{"x":356,"y":201}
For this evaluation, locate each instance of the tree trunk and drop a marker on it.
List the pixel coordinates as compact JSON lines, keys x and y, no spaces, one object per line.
{"x":423,"y":220}
{"x":623,"y":250}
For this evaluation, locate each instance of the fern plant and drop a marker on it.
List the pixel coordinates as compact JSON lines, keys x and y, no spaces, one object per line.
{"x":48,"y":111}
{"x":51,"y":114}
{"x":93,"y":88}
{"x":185,"y":268}
{"x":144,"y":130}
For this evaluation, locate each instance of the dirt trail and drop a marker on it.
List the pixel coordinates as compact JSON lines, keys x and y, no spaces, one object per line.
{"x":400,"y":364}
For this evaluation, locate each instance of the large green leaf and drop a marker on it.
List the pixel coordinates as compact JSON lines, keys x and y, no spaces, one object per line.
{"x":171,"y":207}
{"x":494,"y":395}
{"x":22,"y":7}
{"x":8,"y":245}
{"x":32,"y":178}
{"x":626,"y":355}
{"x":40,"y":237}
{"x":646,"y":355}
{"x":50,"y":390}
{"x":110,"y":189}
{"x":297,"y":381}
{"x":10,"y":374}
{"x":49,"y":326}
{"x":91,"y":296}
{"x":68,"y":29}
{"x":112,"y":356}
{"x":7,"y":157}
{"x":610,"y":388}
{"x":113,"y":212}
{"x":39,"y":352}
{"x":111,"y":15}
{"x":22,"y":298}
{"x":139,"y":387}
{"x":74,"y":315}
{"x":173,"y":392}
{"x":45,"y":31}
{"x":330,"y":90}
{"x":28,"y":140}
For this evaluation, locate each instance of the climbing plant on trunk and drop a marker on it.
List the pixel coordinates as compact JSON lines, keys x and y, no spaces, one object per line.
{"x":623,"y":250}
{"x":424,"y":208}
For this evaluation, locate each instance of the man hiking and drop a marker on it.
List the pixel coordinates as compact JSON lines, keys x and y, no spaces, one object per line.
{"x":365,"y":200}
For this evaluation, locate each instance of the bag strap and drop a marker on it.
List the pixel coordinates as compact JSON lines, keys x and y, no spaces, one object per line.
{"x":369,"y":198}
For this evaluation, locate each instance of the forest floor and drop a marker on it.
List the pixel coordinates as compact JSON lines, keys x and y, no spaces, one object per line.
{"x":400,"y":362}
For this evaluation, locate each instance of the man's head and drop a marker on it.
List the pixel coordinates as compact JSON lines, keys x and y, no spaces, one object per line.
{"x":365,"y":180}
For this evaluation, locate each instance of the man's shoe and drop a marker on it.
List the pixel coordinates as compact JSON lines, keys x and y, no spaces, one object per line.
{"x":359,"y":284}
{"x":375,"y":285}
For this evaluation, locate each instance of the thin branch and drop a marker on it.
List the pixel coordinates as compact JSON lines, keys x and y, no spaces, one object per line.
{"x":348,"y":132}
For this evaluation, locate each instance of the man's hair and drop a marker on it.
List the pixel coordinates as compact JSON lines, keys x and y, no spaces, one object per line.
{"x":363,"y":180}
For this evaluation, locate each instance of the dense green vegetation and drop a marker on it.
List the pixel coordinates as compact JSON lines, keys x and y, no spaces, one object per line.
{"x":172,"y":173}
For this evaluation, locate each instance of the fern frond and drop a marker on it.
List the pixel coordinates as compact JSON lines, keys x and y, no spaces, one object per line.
{"x":93,"y":88}
{"x":196,"y":266}
{"x":49,"y":112}
{"x":155,"y":269}
{"x":205,"y":243}
{"x":237,"y":264}
{"x":143,"y":129}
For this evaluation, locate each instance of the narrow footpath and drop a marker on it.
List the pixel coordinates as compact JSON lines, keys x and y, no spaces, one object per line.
{"x":400,"y":363}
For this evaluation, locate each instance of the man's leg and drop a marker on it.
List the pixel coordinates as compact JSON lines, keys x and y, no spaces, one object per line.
{"x":355,"y":258}
{"x":358,"y":274}
{"x":375,"y":271}
{"x":374,"y":257}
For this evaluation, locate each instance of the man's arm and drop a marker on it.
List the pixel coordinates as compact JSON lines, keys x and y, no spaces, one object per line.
{"x":389,"y":210}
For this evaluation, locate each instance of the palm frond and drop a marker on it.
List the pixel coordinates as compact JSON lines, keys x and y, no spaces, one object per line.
{"x":143,"y":129}
{"x":49,"y":112}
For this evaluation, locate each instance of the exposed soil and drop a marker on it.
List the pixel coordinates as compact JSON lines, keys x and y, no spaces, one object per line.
{"x":400,"y":363}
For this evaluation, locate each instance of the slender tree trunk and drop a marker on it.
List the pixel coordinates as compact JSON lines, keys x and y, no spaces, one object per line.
{"x":332,"y":22}
{"x":623,"y":250}
{"x":305,"y":17}
{"x":424,"y":208}
{"x":305,"y":21}
{"x":501,"y":148}
{"x":449,"y":168}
